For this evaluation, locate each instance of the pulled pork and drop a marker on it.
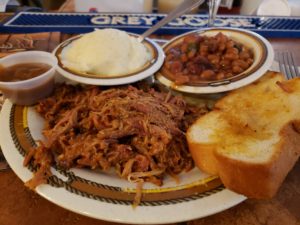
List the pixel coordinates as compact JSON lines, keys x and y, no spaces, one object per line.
{"x":140,"y":134}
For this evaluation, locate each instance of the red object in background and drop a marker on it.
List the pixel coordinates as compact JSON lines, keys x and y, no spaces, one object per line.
{"x":225,"y":11}
{"x":93,"y":9}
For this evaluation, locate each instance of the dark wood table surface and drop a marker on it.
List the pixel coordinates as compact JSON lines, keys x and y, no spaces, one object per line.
{"x":21,"y":206}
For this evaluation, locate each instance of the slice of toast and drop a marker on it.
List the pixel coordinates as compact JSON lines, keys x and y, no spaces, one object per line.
{"x":251,"y":139}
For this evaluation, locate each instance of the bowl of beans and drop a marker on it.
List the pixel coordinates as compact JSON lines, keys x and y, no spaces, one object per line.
{"x":214,"y":60}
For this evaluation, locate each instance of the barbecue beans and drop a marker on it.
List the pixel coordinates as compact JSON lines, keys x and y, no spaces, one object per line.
{"x":202,"y":58}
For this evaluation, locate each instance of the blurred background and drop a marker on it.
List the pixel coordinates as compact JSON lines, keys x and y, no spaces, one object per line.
{"x":241,"y":7}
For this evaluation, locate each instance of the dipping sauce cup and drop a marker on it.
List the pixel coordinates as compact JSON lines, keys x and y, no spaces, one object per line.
{"x":29,"y":91}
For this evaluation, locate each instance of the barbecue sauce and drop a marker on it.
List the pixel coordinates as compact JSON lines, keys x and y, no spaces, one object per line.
{"x":22,"y":71}
{"x":27,"y":93}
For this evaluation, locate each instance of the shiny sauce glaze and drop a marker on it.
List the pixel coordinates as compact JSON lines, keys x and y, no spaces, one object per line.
{"x":22,"y":71}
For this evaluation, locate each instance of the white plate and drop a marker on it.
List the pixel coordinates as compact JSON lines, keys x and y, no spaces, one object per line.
{"x":105,"y":196}
{"x":263,"y":58}
{"x":154,"y":64}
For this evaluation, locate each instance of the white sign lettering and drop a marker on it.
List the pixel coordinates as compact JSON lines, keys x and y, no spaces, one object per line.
{"x":184,"y":21}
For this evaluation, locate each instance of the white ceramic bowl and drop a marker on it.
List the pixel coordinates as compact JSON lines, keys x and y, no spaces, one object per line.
{"x":263,"y":59}
{"x":154,"y":64}
{"x":28,"y":92}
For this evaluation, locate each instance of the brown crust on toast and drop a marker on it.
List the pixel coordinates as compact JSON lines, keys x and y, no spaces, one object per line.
{"x":261,"y":177}
{"x":203,"y":155}
{"x":262,"y":180}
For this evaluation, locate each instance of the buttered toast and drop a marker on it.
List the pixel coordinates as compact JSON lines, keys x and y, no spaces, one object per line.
{"x":251,"y":139}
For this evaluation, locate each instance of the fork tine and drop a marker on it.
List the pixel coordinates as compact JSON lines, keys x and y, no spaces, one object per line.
{"x":282,"y":66}
{"x":288,"y":68}
{"x":287,"y":65}
{"x":294,"y":67}
{"x":278,"y":55}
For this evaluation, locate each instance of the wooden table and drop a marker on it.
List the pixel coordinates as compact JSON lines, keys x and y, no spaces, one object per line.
{"x":20,"y":206}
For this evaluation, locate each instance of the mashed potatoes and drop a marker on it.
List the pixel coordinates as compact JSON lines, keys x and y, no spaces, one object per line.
{"x":106,"y":52}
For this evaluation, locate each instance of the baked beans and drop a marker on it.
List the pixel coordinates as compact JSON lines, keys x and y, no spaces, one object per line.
{"x":202,"y":58}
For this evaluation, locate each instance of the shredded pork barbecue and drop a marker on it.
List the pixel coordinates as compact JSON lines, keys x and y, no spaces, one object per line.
{"x":139,"y":133}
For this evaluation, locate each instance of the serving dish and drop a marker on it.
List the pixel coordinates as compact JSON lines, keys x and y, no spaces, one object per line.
{"x":29,"y":91}
{"x":157,"y":59}
{"x":104,"y":195}
{"x":263,"y":57}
